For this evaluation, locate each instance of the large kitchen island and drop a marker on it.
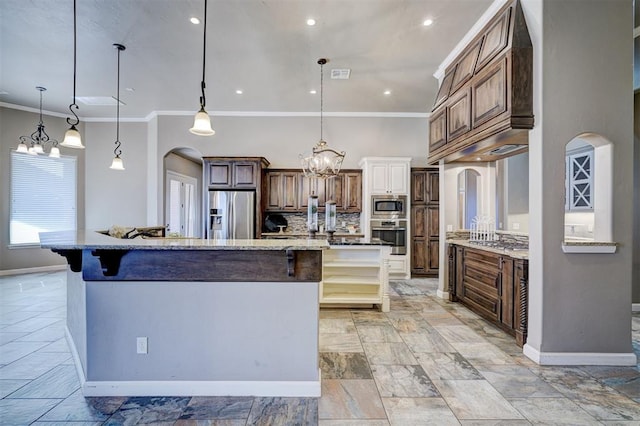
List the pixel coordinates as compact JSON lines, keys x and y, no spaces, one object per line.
{"x":192,"y":317}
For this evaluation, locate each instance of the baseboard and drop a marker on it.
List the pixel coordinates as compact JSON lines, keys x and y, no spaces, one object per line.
{"x":35,"y":270}
{"x":76,"y":357}
{"x":203,"y":388}
{"x":579,"y":358}
{"x":635,"y":307}
{"x":442,"y":294}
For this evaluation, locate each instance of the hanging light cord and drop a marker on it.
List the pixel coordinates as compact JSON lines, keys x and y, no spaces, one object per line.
{"x":70,"y":121}
{"x":117,"y":151}
{"x":203,"y":100}
{"x":321,"y":62}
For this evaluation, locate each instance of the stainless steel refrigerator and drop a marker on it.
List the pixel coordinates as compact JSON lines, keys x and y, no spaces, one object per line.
{"x":231,"y":215}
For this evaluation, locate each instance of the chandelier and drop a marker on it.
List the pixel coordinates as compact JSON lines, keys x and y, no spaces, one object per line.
{"x":323,"y":162}
{"x":35,"y":143}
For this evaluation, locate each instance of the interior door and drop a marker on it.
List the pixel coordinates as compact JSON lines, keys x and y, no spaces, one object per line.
{"x":181,"y":205}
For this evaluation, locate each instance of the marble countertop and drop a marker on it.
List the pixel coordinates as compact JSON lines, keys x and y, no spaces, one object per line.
{"x":516,"y":254}
{"x":92,"y":240}
{"x":357,"y":242}
{"x":305,"y":234}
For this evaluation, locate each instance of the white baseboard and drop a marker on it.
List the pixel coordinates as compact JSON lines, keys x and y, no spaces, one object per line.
{"x":203,"y":388}
{"x":442,"y":294}
{"x":310,"y":388}
{"x":579,"y":358}
{"x":635,"y":307}
{"x":35,"y":270}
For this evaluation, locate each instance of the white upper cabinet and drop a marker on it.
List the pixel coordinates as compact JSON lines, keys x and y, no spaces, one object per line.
{"x":387,"y":176}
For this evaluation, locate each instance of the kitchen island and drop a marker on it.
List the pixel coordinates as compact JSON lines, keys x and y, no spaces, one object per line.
{"x":192,"y":317}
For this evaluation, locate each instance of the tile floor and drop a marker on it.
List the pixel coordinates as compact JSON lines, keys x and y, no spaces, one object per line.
{"x":425,"y":362}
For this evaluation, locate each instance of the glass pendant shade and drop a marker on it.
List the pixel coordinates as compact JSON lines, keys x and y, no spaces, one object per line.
{"x":72,"y":139}
{"x":55,"y":152}
{"x":32,"y":151}
{"x":202,"y":124}
{"x":22,"y":148}
{"x":37,"y":148}
{"x":117,"y":164}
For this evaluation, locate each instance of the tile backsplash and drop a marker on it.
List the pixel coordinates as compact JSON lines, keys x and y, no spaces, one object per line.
{"x":297,"y":222}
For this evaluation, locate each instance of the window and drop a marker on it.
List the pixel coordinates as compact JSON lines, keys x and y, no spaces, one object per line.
{"x":579,"y":184}
{"x":43,"y":196}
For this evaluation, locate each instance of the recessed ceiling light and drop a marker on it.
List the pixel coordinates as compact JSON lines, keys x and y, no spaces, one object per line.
{"x":427,"y":22}
{"x":478,"y":159}
{"x":2,"y":92}
{"x":130,"y":89}
{"x":313,"y":92}
{"x":387,"y":92}
{"x":311,"y":22}
{"x":195,"y":20}
{"x":238,"y":92}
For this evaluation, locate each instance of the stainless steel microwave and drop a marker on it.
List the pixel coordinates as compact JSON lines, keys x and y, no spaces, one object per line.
{"x":388,"y":207}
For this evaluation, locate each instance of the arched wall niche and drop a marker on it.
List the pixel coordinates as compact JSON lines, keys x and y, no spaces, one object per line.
{"x":182,"y":192}
{"x":588,"y":187}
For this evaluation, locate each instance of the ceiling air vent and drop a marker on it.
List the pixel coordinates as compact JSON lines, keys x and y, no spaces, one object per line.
{"x":504,"y":149}
{"x":98,"y":100}
{"x":340,"y":73}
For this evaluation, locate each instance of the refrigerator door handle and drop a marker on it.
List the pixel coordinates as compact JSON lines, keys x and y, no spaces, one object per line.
{"x":230,"y":228}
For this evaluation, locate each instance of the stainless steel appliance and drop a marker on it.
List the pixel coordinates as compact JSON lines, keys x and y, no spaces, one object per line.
{"x":393,"y":232}
{"x":232,"y":215}
{"x":388,"y":207}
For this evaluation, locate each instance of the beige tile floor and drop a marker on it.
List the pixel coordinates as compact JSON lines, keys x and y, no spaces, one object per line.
{"x":426,"y":362}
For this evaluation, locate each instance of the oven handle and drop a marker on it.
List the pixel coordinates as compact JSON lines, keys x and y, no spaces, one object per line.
{"x":394,"y":228}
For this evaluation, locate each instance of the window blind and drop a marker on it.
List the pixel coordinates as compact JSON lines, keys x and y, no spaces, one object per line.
{"x":43,"y":196}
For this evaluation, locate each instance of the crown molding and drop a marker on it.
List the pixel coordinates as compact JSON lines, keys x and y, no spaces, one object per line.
{"x":155,"y":114}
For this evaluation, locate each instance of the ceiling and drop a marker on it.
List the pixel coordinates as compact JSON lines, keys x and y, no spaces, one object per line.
{"x":263,"y":47}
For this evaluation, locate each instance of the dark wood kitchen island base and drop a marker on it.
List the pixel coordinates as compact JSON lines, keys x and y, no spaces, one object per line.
{"x":192,"y":317}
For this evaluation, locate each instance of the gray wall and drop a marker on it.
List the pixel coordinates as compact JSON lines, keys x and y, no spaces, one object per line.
{"x":579,"y":302}
{"x":116,"y":197}
{"x":13,"y":124}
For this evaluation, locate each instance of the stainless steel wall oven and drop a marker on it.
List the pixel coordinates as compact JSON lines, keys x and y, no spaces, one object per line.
{"x":393,"y":232}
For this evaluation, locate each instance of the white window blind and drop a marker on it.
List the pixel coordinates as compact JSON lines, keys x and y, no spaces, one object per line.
{"x":43,"y":196}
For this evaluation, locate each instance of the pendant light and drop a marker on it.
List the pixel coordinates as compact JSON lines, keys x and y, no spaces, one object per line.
{"x":202,"y":122}
{"x":323,"y":162}
{"x":35,"y":143}
{"x":72,"y":137}
{"x":117,"y":163}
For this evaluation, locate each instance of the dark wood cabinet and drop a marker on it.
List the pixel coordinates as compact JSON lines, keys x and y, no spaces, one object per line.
{"x":425,"y":225}
{"x":492,"y":285}
{"x":288,"y":190}
{"x":438,"y":129}
{"x":458,"y":115}
{"x":236,"y":173}
{"x":485,"y":100}
{"x":232,"y":173}
{"x":281,"y":191}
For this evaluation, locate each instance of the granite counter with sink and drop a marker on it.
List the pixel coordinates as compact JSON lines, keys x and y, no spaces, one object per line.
{"x":219,"y":317}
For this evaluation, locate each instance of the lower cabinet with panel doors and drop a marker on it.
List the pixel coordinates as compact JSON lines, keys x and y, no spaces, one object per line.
{"x":492,"y":285}
{"x":354,"y":275}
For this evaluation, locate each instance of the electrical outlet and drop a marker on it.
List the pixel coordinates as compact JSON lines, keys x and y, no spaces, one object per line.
{"x":142,"y":345}
{"x":449,"y":228}
{"x":515,"y":226}
{"x":344,"y":224}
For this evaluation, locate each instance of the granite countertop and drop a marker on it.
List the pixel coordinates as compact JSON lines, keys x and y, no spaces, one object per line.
{"x":516,"y":254}
{"x":93,"y":240}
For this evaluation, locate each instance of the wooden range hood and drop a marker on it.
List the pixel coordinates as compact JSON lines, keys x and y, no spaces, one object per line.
{"x":484,"y":107}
